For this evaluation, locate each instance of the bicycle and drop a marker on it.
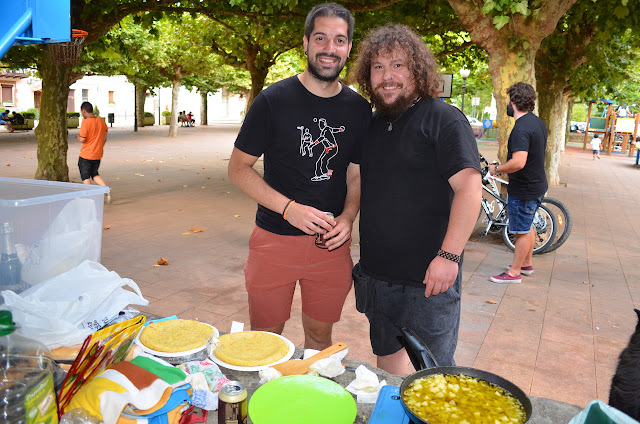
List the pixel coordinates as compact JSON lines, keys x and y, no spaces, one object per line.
{"x":552,"y":220}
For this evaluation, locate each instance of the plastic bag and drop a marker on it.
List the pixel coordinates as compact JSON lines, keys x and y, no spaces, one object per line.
{"x":598,"y":412}
{"x":65,"y":309}
{"x":73,"y":236}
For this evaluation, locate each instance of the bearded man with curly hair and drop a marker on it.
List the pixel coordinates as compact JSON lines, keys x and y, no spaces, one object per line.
{"x":420,"y":198}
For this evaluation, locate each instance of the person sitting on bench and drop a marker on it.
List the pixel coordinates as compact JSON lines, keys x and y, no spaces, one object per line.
{"x":17,"y":119}
{"x":6,"y":121}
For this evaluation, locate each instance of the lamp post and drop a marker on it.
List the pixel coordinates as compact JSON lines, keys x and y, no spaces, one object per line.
{"x":464,"y":73}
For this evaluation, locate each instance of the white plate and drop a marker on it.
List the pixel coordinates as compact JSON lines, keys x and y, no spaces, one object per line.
{"x":288,"y":356}
{"x":216,"y":334}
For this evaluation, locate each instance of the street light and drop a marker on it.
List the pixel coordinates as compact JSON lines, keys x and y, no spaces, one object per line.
{"x":464,"y":73}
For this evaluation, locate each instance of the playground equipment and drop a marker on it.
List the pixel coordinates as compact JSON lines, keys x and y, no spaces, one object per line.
{"x":35,"y":22}
{"x":610,"y":126}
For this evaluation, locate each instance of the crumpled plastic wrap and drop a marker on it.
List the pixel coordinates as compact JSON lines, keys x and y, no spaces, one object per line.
{"x":78,"y":416}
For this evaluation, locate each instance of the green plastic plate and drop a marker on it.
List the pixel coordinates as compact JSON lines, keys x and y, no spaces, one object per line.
{"x":296,"y":399}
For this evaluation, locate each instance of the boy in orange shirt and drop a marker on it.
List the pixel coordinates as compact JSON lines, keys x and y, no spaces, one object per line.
{"x":93,"y":136}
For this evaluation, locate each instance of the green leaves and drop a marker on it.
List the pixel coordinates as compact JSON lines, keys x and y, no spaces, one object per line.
{"x":621,"y":12}
{"x":500,"y":21}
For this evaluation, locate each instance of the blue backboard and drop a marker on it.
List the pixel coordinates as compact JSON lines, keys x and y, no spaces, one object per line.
{"x":34,"y":22}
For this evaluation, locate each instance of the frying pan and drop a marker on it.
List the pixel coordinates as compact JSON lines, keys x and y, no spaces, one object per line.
{"x":424,"y":361}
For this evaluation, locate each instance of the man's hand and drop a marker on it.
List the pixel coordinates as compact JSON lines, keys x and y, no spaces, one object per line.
{"x":340,"y":233}
{"x":440,"y":275}
{"x":309,"y":219}
{"x":492,"y":169}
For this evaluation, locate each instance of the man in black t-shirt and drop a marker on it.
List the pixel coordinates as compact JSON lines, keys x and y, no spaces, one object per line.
{"x":309,"y":128}
{"x":527,"y":179}
{"x":421,"y":192}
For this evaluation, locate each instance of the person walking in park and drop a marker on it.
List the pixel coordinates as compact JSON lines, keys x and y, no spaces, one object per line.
{"x":527,"y":178}
{"x":596,"y":145}
{"x":93,"y":136}
{"x":421,"y":192}
{"x":293,"y":200}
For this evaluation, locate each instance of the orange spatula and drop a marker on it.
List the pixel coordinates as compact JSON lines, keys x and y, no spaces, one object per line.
{"x":298,"y":367}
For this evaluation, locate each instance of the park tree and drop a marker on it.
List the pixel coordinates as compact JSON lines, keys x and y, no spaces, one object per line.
{"x":218,"y":77}
{"x":511,"y":32}
{"x":182,"y":51}
{"x":128,"y":49}
{"x":96,"y":17}
{"x":589,"y":54}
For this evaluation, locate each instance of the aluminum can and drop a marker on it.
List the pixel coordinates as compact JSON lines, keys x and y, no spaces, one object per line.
{"x":320,"y":242}
{"x":232,"y":403}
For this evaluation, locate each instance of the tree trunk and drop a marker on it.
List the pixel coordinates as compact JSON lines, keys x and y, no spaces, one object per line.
{"x":204,"y":108}
{"x":509,"y":64}
{"x":51,"y":132}
{"x":504,"y":73}
{"x":258,"y":77}
{"x":175,"y":91}
{"x":554,"y":114}
{"x":141,"y":95}
{"x":569,"y":116}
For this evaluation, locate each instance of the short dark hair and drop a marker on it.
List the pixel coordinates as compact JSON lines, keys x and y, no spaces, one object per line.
{"x":523,"y":96}
{"x":332,"y":10}
{"x":87,"y":107}
{"x":420,"y":60}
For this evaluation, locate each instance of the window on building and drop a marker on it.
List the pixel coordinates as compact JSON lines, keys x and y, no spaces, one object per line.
{"x":85,"y":95}
{"x":71,"y":101}
{"x":111,"y":100}
{"x":7,"y":93}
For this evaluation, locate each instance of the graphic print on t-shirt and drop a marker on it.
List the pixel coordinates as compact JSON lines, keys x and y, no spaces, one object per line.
{"x":328,"y":144}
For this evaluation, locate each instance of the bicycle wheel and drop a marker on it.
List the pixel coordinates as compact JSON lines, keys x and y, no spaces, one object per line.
{"x":563,"y":220}
{"x":545,"y":225}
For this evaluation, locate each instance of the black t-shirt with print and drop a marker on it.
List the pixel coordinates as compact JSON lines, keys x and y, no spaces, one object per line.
{"x":406,"y":197}
{"x":307,"y":142}
{"x":529,"y":134}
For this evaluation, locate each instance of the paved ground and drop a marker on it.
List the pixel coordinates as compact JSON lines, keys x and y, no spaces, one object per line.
{"x":556,"y":335}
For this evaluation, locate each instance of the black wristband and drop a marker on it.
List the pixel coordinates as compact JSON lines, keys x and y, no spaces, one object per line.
{"x":449,"y":256}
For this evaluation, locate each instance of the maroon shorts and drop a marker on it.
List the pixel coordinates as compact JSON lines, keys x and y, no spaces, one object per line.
{"x":277,"y":262}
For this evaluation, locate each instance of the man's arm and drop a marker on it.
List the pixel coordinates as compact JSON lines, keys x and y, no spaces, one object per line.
{"x":517,"y":162}
{"x":306,"y":218}
{"x":467,"y":192}
{"x":344,"y":223}
{"x":81,"y":139}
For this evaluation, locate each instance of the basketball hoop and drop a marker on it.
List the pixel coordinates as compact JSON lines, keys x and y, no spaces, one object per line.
{"x":69,"y":52}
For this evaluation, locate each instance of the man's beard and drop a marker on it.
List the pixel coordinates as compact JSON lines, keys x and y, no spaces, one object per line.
{"x":316,"y":71}
{"x":510,"y":110}
{"x":391,"y":111}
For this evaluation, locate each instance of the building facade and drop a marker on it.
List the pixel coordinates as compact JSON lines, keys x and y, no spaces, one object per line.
{"x":19,"y":92}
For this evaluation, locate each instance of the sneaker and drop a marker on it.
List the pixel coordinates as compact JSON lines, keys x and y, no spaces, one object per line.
{"x":505,"y":278}
{"x":526,"y":270}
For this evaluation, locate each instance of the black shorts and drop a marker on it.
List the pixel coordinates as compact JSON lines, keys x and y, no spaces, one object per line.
{"x":88,"y":168}
{"x":435,"y":319}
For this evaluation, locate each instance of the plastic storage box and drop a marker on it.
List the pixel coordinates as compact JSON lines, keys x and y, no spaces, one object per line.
{"x":56,"y":225}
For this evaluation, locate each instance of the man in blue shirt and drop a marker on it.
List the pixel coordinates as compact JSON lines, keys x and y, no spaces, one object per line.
{"x":6,"y":121}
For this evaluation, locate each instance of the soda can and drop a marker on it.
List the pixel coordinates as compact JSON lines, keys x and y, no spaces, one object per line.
{"x":232,"y":403}
{"x":320,"y":242}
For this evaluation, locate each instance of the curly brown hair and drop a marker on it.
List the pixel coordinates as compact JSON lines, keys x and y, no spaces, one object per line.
{"x":523,"y":96}
{"x":420,"y":60}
